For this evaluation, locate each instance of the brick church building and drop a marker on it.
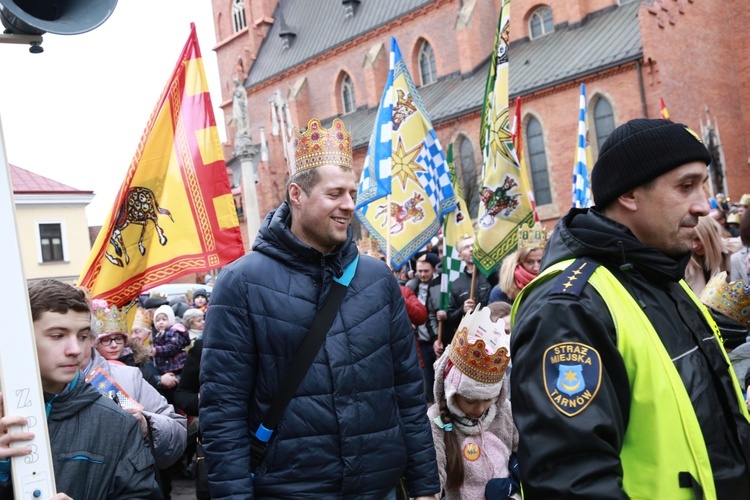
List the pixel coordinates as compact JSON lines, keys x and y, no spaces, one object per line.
{"x":300,"y":59}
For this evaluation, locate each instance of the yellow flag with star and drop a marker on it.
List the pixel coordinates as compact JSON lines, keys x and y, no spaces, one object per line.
{"x":505,"y":195}
{"x":406,"y":187}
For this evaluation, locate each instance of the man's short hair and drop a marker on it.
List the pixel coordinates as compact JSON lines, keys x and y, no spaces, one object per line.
{"x":460,"y":243}
{"x":56,"y":296}
{"x":306,"y":180}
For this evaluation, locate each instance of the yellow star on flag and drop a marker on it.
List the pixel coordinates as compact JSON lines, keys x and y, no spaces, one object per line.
{"x":403,"y":163}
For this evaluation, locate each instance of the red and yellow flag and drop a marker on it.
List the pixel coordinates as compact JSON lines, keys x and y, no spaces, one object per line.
{"x":174,"y":213}
{"x":663,"y":111}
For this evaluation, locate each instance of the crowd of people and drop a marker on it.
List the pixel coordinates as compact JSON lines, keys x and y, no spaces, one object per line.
{"x":607,"y":358}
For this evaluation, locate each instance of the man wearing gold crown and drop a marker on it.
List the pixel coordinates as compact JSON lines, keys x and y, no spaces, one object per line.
{"x":357,"y":423}
{"x":621,"y":387}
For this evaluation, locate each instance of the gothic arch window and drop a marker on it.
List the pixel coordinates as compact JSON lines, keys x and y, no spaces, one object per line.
{"x":538,"y":162}
{"x":238,"y":15}
{"x":540,"y":22}
{"x":604,"y":121}
{"x":348,"y":101}
{"x":466,"y":170}
{"x":220,"y":25}
{"x":427,"y":67}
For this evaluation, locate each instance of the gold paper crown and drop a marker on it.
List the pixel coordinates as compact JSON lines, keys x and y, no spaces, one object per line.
{"x":142,"y":318}
{"x":532,"y":237}
{"x":369,"y":246}
{"x":481,"y":348}
{"x":730,"y":299}
{"x":733,"y":218}
{"x":111,"y":320}
{"x":745,"y":200}
{"x":159,"y":295}
{"x":319,"y":146}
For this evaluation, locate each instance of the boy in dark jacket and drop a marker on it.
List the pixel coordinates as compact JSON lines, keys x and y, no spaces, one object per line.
{"x":109,"y":458}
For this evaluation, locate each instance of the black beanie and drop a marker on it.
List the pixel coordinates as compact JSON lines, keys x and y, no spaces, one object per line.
{"x":639,"y":151}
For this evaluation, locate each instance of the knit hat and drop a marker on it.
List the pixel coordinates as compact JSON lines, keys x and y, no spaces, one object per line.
{"x":639,"y":151}
{"x":191,"y":314}
{"x":430,"y":257}
{"x":165,"y":309}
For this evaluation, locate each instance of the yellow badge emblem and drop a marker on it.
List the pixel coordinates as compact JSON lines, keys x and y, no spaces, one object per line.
{"x":471,"y":452}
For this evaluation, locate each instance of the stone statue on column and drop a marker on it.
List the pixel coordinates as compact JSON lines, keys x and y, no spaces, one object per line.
{"x":239,"y":108}
{"x":243,"y":142}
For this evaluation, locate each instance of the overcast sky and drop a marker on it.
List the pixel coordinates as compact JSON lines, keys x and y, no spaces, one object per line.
{"x":76,"y":112}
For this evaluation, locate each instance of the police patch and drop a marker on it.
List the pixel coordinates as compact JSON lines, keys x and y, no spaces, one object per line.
{"x":572,"y":376}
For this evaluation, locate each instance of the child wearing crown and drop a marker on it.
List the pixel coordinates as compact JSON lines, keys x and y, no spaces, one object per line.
{"x":472,"y":425}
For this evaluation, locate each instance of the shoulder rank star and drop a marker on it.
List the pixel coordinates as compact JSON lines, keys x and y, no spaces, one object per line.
{"x":572,"y":376}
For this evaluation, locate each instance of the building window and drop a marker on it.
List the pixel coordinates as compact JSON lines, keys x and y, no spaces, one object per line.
{"x":604,"y":121}
{"x":51,"y":242}
{"x":348,"y":101}
{"x":540,"y":22}
{"x":427,"y":71}
{"x":238,"y":15}
{"x":538,"y":162}
{"x":467,"y":176}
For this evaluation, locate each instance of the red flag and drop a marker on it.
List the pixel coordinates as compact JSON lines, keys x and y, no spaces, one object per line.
{"x":174,"y":214}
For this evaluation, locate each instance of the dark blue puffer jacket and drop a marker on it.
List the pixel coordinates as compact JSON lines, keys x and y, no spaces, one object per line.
{"x":358,"y":420}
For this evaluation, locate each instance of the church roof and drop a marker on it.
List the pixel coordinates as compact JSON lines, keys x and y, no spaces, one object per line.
{"x":320,"y":26}
{"x":25,"y":182}
{"x":602,"y":40}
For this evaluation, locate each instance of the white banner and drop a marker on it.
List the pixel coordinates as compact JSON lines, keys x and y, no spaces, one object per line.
{"x":33,"y":475}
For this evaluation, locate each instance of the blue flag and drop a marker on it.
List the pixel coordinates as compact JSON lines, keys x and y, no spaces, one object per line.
{"x":405,"y":188}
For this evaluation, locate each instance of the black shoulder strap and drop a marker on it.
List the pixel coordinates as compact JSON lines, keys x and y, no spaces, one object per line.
{"x":573,"y":279}
{"x":304,"y":357}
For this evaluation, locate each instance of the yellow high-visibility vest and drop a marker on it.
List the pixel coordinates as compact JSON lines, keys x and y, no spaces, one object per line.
{"x":663,"y":438}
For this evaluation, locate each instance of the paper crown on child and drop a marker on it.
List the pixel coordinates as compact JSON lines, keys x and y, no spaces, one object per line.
{"x":733,"y":218}
{"x":730,"y":299}
{"x":318,"y":146}
{"x":142,"y":319}
{"x":745,"y":200}
{"x":110,"y":320}
{"x":532,"y":237}
{"x":480,"y":348}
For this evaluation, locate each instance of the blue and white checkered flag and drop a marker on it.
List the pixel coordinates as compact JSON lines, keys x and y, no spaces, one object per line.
{"x":581,"y":188}
{"x":406,"y":161}
{"x":375,"y":181}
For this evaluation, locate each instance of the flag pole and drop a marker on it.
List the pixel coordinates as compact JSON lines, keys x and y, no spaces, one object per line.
{"x":388,"y":229}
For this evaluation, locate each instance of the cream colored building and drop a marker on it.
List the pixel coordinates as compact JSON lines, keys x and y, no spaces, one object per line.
{"x":52,"y":228}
